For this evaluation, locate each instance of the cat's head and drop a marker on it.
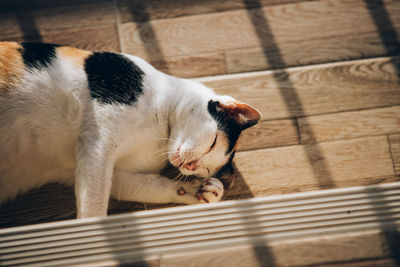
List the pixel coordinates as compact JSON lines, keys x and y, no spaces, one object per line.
{"x":205,"y":139}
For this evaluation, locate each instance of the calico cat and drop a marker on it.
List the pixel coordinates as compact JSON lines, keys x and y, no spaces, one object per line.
{"x":108,"y":123}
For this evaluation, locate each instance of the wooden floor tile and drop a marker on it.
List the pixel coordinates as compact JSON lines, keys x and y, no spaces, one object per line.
{"x":12,"y":5}
{"x":192,"y":66}
{"x":143,"y":10}
{"x":312,"y":167}
{"x":313,"y":51}
{"x":275,"y":25}
{"x":25,"y":21}
{"x":101,"y":38}
{"x":385,"y":262}
{"x":317,"y":89}
{"x":269,"y":134}
{"x":309,"y":251}
{"x":353,"y":124}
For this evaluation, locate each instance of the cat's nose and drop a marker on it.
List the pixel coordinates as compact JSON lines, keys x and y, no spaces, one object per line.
{"x":191,"y":166}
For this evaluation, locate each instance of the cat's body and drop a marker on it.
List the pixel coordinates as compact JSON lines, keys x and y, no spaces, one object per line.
{"x":109,"y":123}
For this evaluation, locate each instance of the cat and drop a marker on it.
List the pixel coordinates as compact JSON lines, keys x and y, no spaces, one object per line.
{"x":107,"y":123}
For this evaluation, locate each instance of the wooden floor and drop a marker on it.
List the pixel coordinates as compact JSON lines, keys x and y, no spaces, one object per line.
{"x":324,"y":74}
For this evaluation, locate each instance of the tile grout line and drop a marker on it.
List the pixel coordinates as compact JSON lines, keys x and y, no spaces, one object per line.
{"x":348,"y":110}
{"x":290,"y":69}
{"x":321,"y":142}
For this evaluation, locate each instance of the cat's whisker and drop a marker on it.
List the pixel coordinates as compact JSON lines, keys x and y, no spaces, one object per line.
{"x":179,"y":178}
{"x":164,"y":159}
{"x":175,"y":178}
{"x":162,"y":138}
{"x":186,"y":178}
{"x":163,"y":154}
{"x":186,"y":161}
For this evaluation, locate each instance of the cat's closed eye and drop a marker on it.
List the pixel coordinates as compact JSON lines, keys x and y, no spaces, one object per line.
{"x":213,"y":144}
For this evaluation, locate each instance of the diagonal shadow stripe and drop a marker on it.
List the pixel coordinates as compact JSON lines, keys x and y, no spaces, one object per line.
{"x":149,"y":37}
{"x":385,"y":27}
{"x":291,"y":99}
{"x":28,"y":27}
{"x":390,"y":41}
{"x":288,"y":92}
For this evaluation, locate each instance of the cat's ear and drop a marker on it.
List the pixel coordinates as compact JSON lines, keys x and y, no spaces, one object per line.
{"x":244,"y":114}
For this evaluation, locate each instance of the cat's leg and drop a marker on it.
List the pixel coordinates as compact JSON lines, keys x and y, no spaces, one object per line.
{"x":153,"y":188}
{"x":93,"y":180}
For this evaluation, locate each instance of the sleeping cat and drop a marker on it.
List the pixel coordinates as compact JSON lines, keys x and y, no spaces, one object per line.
{"x":108,"y":123}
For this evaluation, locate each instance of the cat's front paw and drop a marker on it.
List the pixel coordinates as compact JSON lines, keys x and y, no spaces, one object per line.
{"x":211,"y":190}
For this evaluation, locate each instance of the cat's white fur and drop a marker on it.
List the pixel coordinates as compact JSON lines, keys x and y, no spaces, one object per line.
{"x":51,"y":130}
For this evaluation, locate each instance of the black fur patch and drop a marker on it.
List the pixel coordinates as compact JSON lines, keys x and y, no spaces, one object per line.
{"x":225,"y":174}
{"x":38,"y":55}
{"x":225,"y":124}
{"x":113,"y":78}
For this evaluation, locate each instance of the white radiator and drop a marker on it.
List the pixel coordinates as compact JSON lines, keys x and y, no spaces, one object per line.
{"x":136,"y":236}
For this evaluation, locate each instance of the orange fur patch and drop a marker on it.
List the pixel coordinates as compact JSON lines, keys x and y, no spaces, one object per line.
{"x":77,"y":56}
{"x":11,"y":65}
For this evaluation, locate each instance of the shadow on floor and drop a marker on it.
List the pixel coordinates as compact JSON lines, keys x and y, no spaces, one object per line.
{"x":390,"y":40}
{"x":287,"y":90}
{"x":149,"y":38}
{"x":28,"y":27}
{"x":261,"y":250}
